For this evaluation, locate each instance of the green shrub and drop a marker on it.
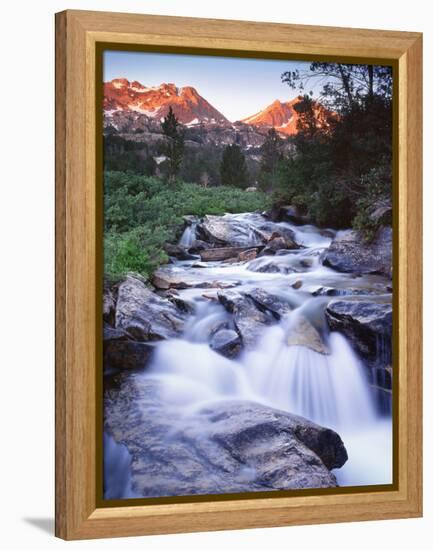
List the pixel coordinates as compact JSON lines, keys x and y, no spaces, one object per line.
{"x":142,"y":213}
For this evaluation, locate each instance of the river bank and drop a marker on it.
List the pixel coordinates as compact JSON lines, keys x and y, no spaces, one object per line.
{"x":259,"y":359}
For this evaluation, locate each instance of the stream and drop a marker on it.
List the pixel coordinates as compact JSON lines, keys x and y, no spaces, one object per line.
{"x":329,"y":388}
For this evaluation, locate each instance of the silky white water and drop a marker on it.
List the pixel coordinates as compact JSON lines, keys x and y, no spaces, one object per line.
{"x":328,"y":388}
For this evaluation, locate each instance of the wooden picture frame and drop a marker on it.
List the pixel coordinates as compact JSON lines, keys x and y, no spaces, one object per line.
{"x":78,"y":254}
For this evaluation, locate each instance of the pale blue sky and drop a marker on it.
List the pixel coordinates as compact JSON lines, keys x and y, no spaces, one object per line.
{"x":236,"y":87}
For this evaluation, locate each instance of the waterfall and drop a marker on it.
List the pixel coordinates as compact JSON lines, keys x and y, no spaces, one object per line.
{"x":329,"y":387}
{"x":188,"y":236}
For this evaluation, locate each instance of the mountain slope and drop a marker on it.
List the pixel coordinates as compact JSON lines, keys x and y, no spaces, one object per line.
{"x":188,"y":105}
{"x":282,"y":116}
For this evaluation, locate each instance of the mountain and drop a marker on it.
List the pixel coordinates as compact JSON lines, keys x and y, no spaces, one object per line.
{"x":282,"y":116}
{"x":188,"y":105}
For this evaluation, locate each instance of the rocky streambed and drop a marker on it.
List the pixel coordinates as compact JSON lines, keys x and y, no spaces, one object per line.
{"x":258,"y":359}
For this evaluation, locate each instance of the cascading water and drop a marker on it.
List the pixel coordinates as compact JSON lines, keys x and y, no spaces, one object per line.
{"x":188,"y":236}
{"x":326,"y":382}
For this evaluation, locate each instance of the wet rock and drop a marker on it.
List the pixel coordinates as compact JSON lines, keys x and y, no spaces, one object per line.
{"x":248,"y":255}
{"x":349,"y":253}
{"x":227,"y":231}
{"x":219,"y":254}
{"x":226,"y":342}
{"x":296,"y":285}
{"x":273,"y":246}
{"x":197,"y":246}
{"x":190,"y":220}
{"x":272,"y":230}
{"x":227,"y":447}
{"x":178,"y":252}
{"x":172,"y":277}
{"x":144,"y":315}
{"x":248,"y":318}
{"x":111,"y":333}
{"x":270,"y":267}
{"x":303,"y":333}
{"x":277,"y":305}
{"x":126,"y":354}
{"x":368,"y":326}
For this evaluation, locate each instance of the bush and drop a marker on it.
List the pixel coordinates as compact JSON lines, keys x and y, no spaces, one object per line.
{"x":142,"y":213}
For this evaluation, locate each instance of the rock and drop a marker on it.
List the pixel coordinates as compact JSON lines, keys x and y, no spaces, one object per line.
{"x":297,"y":285}
{"x":144,"y":315}
{"x":190,"y":220}
{"x":348,"y":252}
{"x":197,"y":245}
{"x":108,"y":305}
{"x":272,"y":231}
{"x":111,"y":333}
{"x":381,"y":212}
{"x":303,"y":333}
{"x":306,"y":262}
{"x":277,"y":305}
{"x":368,"y":326}
{"x":126,"y":354}
{"x":275,"y":244}
{"x":248,"y":319}
{"x":248,"y":255}
{"x":269,"y":266}
{"x":226,"y":231}
{"x":187,"y":306}
{"x":219,"y":254}
{"x":226,"y":342}
{"x":227,"y":447}
{"x":178,"y":252}
{"x":172,"y":277}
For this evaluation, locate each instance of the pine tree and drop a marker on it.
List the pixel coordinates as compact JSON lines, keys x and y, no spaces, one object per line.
{"x":175,"y":143}
{"x":233,"y":167}
{"x":271,"y":155}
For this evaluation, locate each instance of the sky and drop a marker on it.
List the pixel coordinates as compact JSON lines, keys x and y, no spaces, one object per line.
{"x":237,"y":87}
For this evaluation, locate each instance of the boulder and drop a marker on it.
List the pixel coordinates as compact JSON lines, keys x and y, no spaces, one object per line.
{"x":144,"y":315}
{"x":277,"y":305}
{"x":381,"y":211}
{"x":197,"y":246}
{"x":349,"y":253}
{"x":303,"y":333}
{"x":248,"y":318}
{"x":173,"y":277}
{"x":269,"y":266}
{"x":225,"y":231}
{"x":227,"y":447}
{"x":126,"y":354}
{"x":178,"y":252}
{"x":368,"y":326}
{"x":190,"y":219}
{"x":248,"y":255}
{"x":219,"y":254}
{"x":226,"y":342}
{"x":275,"y":244}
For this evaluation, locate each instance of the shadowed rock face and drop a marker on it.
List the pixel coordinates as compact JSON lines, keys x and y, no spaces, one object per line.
{"x":248,"y":318}
{"x":227,"y":447}
{"x":144,"y":315}
{"x":349,"y":253}
{"x":226,"y":342}
{"x":368,"y":326}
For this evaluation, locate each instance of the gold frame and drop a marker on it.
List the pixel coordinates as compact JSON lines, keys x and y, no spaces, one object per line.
{"x":79,"y":35}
